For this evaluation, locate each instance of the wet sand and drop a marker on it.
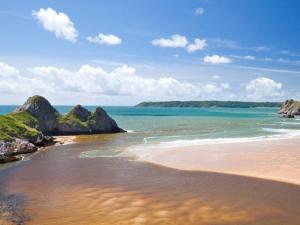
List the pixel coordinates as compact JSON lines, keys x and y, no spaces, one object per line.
{"x":57,"y":187}
{"x":273,"y":159}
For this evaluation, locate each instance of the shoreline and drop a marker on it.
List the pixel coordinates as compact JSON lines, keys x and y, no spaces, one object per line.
{"x":276,"y":160}
{"x":65,"y":140}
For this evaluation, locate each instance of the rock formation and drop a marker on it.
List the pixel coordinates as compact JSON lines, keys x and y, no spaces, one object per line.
{"x":29,"y":125}
{"x":78,"y":121}
{"x":43,"y":111}
{"x":81,"y":121}
{"x":9,"y":151}
{"x":290,"y":108}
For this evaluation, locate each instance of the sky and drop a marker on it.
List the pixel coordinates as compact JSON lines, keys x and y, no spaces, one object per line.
{"x":116,"y":52}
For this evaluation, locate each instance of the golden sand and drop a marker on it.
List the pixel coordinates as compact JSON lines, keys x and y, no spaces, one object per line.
{"x":64,"y":140}
{"x":273,"y":159}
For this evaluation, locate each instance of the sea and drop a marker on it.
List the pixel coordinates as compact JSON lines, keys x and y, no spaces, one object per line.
{"x":179,"y":127}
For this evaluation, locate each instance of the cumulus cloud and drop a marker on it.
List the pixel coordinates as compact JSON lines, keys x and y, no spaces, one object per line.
{"x":56,"y":22}
{"x":47,"y":70}
{"x":197,"y":45}
{"x":179,"y":41}
{"x":7,"y":70}
{"x":262,"y":88}
{"x":199,"y":11}
{"x":175,"y":41}
{"x":122,"y":81}
{"x":216,"y":59}
{"x":107,"y":39}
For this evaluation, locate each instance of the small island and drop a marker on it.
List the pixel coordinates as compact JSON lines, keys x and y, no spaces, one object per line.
{"x":34,"y":124}
{"x":210,"y":104}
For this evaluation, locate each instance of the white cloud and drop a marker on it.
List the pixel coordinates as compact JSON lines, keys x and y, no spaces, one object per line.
{"x":215,"y":77}
{"x":126,"y":70}
{"x":179,"y":41}
{"x":225,"y":85}
{"x":47,"y":70}
{"x":263,"y":88}
{"x":175,"y":41}
{"x":87,"y":69}
{"x":197,"y":45}
{"x":216,"y":59}
{"x":122,"y":82}
{"x":7,"y":70}
{"x":56,"y":22}
{"x":249,"y":57}
{"x":199,"y":11}
{"x":107,"y":39}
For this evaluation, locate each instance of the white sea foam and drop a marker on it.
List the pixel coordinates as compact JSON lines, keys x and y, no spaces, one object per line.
{"x":130,"y":131}
{"x":290,"y":123}
{"x":278,"y":134}
{"x":285,"y":133}
{"x":147,"y":150}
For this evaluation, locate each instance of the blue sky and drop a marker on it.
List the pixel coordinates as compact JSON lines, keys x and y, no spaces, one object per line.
{"x":115,"y":52}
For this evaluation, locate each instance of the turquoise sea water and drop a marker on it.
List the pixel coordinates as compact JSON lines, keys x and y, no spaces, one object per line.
{"x":170,"y":127}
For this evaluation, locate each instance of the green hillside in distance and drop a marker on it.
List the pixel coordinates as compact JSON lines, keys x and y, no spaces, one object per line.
{"x":209,"y":104}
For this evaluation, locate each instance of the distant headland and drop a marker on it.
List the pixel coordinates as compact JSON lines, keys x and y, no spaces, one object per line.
{"x":33,"y":124}
{"x":210,"y":104}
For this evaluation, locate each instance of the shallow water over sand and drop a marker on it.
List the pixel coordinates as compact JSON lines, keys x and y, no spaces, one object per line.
{"x":58,"y":187}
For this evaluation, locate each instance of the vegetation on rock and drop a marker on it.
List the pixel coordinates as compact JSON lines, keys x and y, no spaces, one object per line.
{"x":18,"y":125}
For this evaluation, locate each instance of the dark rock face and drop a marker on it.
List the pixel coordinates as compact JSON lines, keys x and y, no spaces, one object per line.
{"x":80,"y":113}
{"x":72,"y":128}
{"x":46,"y":114}
{"x":290,"y":108}
{"x":100,"y":122}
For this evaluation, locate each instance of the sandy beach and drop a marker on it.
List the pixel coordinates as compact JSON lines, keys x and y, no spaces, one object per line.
{"x":65,"y":140}
{"x":270,"y":159}
{"x":58,"y":187}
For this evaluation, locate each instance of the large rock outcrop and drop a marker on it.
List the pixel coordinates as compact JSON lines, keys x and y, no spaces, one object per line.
{"x":78,"y":121}
{"x":290,"y":108}
{"x":23,"y":130}
{"x":43,"y":111}
{"x":100,"y":122}
{"x":81,"y":121}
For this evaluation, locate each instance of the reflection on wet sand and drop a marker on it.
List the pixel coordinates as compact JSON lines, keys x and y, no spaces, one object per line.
{"x":117,"y":206}
{"x":59,"y":188}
